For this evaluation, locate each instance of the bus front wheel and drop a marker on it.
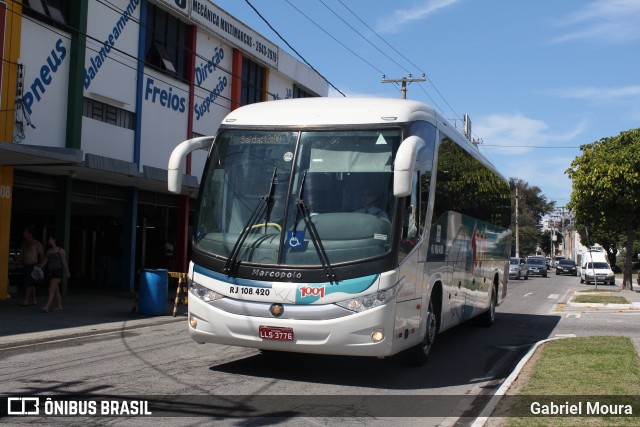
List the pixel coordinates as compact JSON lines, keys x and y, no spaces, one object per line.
{"x":420,"y":352}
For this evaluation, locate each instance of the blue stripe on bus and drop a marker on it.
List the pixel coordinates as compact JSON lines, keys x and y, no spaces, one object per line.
{"x":349,"y":286}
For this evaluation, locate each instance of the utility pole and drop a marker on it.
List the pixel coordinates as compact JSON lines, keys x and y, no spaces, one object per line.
{"x":564,"y":240}
{"x":551,"y":236}
{"x":517,"y":227}
{"x":404,"y":82}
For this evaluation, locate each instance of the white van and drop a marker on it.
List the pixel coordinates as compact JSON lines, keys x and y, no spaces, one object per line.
{"x":594,"y":254}
{"x":597,"y":272}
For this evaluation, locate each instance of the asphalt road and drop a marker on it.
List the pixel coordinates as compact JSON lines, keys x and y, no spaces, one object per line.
{"x":468,"y":362}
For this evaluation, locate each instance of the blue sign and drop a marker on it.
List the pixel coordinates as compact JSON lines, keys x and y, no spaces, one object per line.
{"x":295,"y":239}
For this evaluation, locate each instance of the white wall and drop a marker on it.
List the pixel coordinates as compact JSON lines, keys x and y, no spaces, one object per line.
{"x":280,"y":87}
{"x":212,"y":91}
{"x":165,"y":104}
{"x":111,"y":63}
{"x":301,"y":73}
{"x":107,"y":140}
{"x":45,"y":54}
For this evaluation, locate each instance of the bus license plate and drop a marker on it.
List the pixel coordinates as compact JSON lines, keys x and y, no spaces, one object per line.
{"x":276,"y":334}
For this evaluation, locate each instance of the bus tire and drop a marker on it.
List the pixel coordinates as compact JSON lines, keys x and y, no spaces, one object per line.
{"x":419,"y":354}
{"x":488,"y":318}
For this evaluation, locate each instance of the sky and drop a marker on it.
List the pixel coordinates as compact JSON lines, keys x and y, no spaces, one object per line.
{"x":538,"y":78}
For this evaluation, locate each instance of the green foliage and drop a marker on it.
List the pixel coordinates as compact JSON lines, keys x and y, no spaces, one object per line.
{"x":530,"y":238}
{"x":532,"y":207}
{"x":606,"y":190}
{"x":606,"y":182}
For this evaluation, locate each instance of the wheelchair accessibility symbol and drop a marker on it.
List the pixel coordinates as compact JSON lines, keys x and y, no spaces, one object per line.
{"x":295,"y":239}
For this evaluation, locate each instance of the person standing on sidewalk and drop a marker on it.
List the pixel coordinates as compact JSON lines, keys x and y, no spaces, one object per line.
{"x":56,"y":263}
{"x":31,"y":255}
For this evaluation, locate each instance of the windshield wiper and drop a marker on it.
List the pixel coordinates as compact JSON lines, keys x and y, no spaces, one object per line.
{"x":313,"y":231}
{"x":264,"y":204}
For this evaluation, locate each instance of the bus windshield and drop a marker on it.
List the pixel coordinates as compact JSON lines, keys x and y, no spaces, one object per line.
{"x":259,"y":184}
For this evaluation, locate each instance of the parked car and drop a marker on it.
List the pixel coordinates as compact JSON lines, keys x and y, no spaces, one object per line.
{"x":566,"y":266}
{"x":537,"y":266}
{"x":597,"y":272}
{"x":556,"y":260}
{"x":518,"y":268}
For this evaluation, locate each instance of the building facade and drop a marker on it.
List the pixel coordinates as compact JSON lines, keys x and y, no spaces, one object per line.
{"x":95,"y":96}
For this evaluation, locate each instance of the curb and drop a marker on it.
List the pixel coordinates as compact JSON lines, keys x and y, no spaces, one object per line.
{"x":628,"y":306}
{"x":604,"y":305}
{"x":502,"y":390}
{"x":36,"y":338}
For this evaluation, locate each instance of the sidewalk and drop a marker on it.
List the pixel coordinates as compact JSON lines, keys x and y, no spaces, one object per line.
{"x":86,"y":312}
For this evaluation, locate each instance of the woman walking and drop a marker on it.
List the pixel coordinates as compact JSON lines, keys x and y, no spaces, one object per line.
{"x":56,"y":263}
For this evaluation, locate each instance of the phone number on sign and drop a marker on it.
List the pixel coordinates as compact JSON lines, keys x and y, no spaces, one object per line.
{"x":267,"y":52}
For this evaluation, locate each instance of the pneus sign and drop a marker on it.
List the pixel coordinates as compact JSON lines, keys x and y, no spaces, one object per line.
{"x":228,"y":28}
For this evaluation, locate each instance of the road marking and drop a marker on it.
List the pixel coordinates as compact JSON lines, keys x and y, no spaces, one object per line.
{"x":482,"y":379}
{"x":553,"y":296}
{"x":576,"y":315}
{"x":530,"y":293}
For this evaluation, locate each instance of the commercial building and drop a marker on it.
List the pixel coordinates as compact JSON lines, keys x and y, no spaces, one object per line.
{"x":95,"y":94}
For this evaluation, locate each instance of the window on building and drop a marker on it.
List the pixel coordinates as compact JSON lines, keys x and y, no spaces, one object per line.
{"x":108,"y":113}
{"x":166,"y":42}
{"x":253,"y":82}
{"x":299,"y":92}
{"x":55,"y":12}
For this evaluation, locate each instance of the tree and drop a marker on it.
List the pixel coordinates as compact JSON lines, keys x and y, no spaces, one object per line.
{"x":532,"y":207}
{"x":605,"y":192}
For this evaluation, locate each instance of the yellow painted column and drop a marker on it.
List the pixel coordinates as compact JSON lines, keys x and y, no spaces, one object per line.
{"x":10,"y":29}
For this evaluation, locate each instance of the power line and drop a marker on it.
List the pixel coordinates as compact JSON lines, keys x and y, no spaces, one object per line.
{"x":431,"y":98}
{"x":132,"y":57}
{"x":380,"y":37}
{"x":291,"y":47}
{"x":527,"y":146}
{"x":364,"y":38}
{"x":406,"y":59}
{"x":335,"y":39}
{"x":404,"y":82}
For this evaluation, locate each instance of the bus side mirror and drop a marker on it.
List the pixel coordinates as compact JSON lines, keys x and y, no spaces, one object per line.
{"x":177,"y":160}
{"x":405,"y":165}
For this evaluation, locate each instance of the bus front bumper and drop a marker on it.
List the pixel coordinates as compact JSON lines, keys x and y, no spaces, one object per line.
{"x":351,"y":335}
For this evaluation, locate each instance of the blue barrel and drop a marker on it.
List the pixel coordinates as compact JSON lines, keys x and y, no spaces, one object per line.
{"x":154,"y":291}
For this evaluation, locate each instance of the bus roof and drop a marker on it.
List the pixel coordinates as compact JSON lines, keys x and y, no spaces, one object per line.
{"x":330,"y":110}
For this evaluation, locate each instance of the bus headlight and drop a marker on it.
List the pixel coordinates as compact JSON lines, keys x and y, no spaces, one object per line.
{"x":367,"y":302}
{"x":203,"y":293}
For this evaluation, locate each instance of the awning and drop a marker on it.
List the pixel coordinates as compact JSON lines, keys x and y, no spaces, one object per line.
{"x":89,"y":167}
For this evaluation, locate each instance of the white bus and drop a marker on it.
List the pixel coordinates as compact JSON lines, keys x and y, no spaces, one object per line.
{"x":343,"y":226}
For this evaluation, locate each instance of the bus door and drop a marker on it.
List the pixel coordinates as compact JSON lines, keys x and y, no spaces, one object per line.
{"x":446,"y":259}
{"x":458,"y":259}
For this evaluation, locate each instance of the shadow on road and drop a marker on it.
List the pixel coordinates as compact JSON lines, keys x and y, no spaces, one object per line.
{"x":462,"y":355}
